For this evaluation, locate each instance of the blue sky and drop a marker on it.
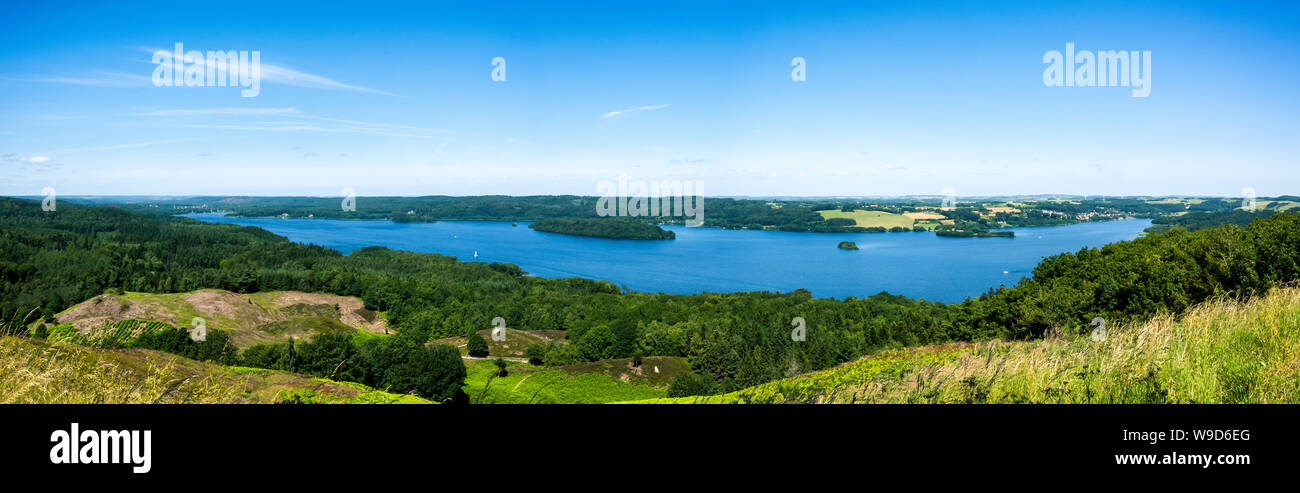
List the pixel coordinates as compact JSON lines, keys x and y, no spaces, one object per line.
{"x":900,"y":98}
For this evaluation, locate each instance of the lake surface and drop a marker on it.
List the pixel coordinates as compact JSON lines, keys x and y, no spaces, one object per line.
{"x":917,"y":265}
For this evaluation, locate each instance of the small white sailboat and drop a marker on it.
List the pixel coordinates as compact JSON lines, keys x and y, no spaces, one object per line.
{"x":476,"y":255}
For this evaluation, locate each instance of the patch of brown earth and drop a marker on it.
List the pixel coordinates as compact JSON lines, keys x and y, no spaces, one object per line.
{"x":352,"y":311}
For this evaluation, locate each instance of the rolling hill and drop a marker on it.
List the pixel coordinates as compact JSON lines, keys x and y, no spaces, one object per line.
{"x":44,"y":372}
{"x":249,"y":318}
{"x":1221,"y":351}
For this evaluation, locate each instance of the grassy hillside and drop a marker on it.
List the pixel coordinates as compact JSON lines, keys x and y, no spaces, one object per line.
{"x":1217,"y":352}
{"x":37,"y":371}
{"x":514,"y":345}
{"x":249,"y":318}
{"x":583,"y":383}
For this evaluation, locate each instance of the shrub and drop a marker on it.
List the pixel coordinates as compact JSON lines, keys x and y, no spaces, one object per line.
{"x":477,"y":346}
{"x":691,"y":383}
{"x":536,"y":354}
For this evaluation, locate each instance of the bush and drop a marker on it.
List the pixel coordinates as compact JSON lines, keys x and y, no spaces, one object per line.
{"x":501,"y":367}
{"x":597,"y":344}
{"x":433,"y":372}
{"x":332,"y":356}
{"x":691,"y":383}
{"x":477,"y":346}
{"x":536,"y":354}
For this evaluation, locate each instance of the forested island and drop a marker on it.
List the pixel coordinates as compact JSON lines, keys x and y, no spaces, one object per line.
{"x":977,"y":233}
{"x":620,"y":228}
{"x":51,"y":261}
{"x":848,"y":245}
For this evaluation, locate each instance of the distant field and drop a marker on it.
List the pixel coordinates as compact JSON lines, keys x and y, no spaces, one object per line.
{"x":1175,"y":200}
{"x":924,"y":215}
{"x":871,"y":219}
{"x":1283,"y":205}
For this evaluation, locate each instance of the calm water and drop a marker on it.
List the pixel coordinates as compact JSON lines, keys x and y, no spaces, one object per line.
{"x":918,"y":265}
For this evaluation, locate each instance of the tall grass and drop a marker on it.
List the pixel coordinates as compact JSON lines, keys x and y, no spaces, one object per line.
{"x":1222,"y":351}
{"x":33,"y":371}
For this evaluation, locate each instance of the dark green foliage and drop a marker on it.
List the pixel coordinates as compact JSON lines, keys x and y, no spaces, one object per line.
{"x":690,"y":383}
{"x":536,"y":354}
{"x":331,"y":355}
{"x":406,"y":365}
{"x":501,"y":367}
{"x":615,"y":227}
{"x":1196,"y":221}
{"x":215,"y":346}
{"x":598,"y":343}
{"x":841,"y":221}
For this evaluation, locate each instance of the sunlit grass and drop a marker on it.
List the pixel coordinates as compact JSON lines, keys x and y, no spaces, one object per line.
{"x":1221,"y":351}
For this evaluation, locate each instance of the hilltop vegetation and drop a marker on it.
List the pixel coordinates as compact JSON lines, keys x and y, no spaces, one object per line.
{"x":36,"y":371}
{"x":583,"y":383}
{"x":1219,"y":352}
{"x":248,"y":319}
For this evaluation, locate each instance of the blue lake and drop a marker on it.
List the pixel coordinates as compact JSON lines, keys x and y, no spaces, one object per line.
{"x":917,"y":265}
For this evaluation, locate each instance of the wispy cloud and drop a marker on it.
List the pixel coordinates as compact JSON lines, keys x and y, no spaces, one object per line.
{"x":633,"y":110}
{"x":236,"y":119}
{"x":287,"y":76}
{"x":224,"y":112}
{"x":28,"y":159}
{"x":117,"y":146}
{"x":40,"y":163}
{"x":96,"y":79}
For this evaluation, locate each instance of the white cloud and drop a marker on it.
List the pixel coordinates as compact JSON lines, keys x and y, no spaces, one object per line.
{"x":291,"y":77}
{"x":117,"y":146}
{"x":225,"y":112}
{"x":99,"y":79}
{"x":633,"y":110}
{"x":34,"y":159}
{"x":195,"y":118}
